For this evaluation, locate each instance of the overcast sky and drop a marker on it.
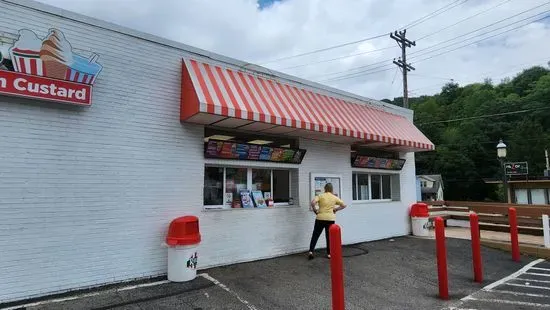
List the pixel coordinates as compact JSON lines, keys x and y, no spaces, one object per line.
{"x":247,"y":31}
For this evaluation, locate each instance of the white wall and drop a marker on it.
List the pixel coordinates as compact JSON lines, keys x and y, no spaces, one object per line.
{"x":87,"y":193}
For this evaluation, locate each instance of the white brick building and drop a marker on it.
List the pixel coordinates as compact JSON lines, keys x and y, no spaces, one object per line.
{"x":87,"y":193}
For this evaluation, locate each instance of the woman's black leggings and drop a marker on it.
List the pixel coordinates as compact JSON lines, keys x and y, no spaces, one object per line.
{"x":317,"y":230}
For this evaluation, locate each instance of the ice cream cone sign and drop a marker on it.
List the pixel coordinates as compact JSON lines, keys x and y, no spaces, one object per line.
{"x":52,"y":57}
{"x":47,"y":69}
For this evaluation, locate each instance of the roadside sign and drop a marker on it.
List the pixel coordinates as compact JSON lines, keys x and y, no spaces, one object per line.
{"x":519,"y":168}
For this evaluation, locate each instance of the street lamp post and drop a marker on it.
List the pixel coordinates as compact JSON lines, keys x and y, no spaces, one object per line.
{"x":501,"y":154}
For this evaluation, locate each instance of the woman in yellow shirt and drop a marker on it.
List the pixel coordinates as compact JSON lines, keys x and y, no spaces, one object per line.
{"x":325,"y":216}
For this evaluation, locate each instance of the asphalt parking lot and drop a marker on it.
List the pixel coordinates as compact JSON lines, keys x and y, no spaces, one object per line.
{"x":529,"y":288}
{"x":394,"y":274}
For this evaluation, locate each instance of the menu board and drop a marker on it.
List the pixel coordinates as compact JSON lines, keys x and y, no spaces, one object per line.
{"x":243,"y":151}
{"x":259,"y":200}
{"x":360,"y":161}
{"x":246,"y":199}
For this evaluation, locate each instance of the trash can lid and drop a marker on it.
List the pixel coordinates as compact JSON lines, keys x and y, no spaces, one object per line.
{"x":184,"y":231}
{"x":419,"y":210}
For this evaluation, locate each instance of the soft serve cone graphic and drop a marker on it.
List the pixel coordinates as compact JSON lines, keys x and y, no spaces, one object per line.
{"x":56,"y":54}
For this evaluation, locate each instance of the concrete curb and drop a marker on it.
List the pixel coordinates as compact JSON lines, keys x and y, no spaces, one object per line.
{"x":526,"y":249}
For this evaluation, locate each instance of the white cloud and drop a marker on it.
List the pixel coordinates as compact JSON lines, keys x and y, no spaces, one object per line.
{"x":237,"y":28}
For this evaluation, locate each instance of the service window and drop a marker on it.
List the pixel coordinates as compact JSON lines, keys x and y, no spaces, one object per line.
{"x":224,"y":186}
{"x":375,"y":187}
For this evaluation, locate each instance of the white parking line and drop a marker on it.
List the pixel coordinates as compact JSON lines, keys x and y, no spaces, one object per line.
{"x":530,"y":280}
{"x":510,"y":302}
{"x":75,"y":297}
{"x":529,"y":286}
{"x":538,"y":274}
{"x":225,"y":288}
{"x":538,"y":268}
{"x":520,"y":294}
{"x":513,"y":275}
{"x":133,"y":287}
{"x":51,"y":301}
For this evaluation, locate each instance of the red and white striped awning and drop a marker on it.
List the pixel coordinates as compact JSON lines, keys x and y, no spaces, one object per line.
{"x":235,"y":98}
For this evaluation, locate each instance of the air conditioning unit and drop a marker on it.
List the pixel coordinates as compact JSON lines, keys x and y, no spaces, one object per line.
{"x":547,"y":173}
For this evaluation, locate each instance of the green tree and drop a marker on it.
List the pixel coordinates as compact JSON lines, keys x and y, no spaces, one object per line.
{"x":465,"y":150}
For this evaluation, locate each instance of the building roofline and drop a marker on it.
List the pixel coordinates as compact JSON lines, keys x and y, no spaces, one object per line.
{"x":35,"y":5}
{"x":534,"y":180}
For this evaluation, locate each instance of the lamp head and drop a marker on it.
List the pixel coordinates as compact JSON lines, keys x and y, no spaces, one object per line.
{"x":501,"y":149}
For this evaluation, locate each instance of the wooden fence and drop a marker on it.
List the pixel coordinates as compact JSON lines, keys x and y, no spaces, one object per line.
{"x":492,"y":216}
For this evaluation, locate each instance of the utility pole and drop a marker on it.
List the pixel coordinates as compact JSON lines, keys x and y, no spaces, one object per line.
{"x":403,"y":42}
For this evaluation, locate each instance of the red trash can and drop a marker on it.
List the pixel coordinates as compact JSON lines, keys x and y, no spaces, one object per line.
{"x":183,"y":239}
{"x":419,"y":219}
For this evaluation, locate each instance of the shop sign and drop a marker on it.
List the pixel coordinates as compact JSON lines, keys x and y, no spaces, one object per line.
{"x":360,"y":161}
{"x":47,"y":69}
{"x":519,"y":168}
{"x":243,"y":151}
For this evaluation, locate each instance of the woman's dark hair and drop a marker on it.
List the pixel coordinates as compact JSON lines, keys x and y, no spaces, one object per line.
{"x":328,"y":188}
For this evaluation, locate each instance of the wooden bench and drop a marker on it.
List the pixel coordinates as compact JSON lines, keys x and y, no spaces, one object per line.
{"x":492,"y":216}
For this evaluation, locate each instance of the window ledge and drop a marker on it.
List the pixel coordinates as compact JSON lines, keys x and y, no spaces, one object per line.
{"x":239,"y":209}
{"x":373,"y":201}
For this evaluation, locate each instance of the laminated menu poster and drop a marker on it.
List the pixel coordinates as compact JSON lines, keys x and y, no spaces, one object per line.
{"x":377,"y":163}
{"x":246,"y":199}
{"x":277,"y":154}
{"x":265,"y":153}
{"x":259,"y":200}
{"x":254,"y":152}
{"x":288,"y":155}
{"x":243,"y":151}
{"x":221,"y":149}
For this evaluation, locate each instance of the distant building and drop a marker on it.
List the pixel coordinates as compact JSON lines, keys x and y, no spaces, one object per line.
{"x":431,"y":187}
{"x":527,"y":190}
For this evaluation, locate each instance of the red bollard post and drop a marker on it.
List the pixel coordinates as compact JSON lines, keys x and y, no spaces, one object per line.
{"x":336,"y":267}
{"x":513,"y":221}
{"x":476,"y":247}
{"x":441,"y":258}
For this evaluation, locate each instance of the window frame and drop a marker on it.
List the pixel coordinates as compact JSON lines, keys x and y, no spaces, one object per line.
{"x":249,"y":184}
{"x":355,"y":184}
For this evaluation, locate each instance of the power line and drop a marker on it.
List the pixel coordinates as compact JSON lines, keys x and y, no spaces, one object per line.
{"x":430,"y":48}
{"x":484,"y":116}
{"x":462,"y":46}
{"x":429,"y":86}
{"x":432,"y":77}
{"x":365,"y":72}
{"x":325,"y":49}
{"x":410,"y":25}
{"x":435,"y":45}
{"x":463,"y":20}
{"x":360,"y":67}
{"x":493,"y":142}
{"x":484,"y":74}
{"x":392,"y":81}
{"x":337,"y":58}
{"x":356,"y":75}
{"x":433,"y":14}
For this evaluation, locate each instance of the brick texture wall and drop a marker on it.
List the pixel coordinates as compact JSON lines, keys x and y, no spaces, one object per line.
{"x":86,"y":194}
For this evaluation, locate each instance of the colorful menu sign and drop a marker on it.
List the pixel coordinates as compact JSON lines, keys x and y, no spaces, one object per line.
{"x":243,"y":151}
{"x":360,"y":161}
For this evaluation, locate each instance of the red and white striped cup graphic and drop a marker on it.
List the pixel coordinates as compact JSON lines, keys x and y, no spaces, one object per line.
{"x":27,"y":62}
{"x":73,"y":75}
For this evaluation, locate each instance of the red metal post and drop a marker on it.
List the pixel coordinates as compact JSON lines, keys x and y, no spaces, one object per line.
{"x":336,"y":267}
{"x":513,"y":221}
{"x":476,"y":247}
{"x":441,"y":258}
